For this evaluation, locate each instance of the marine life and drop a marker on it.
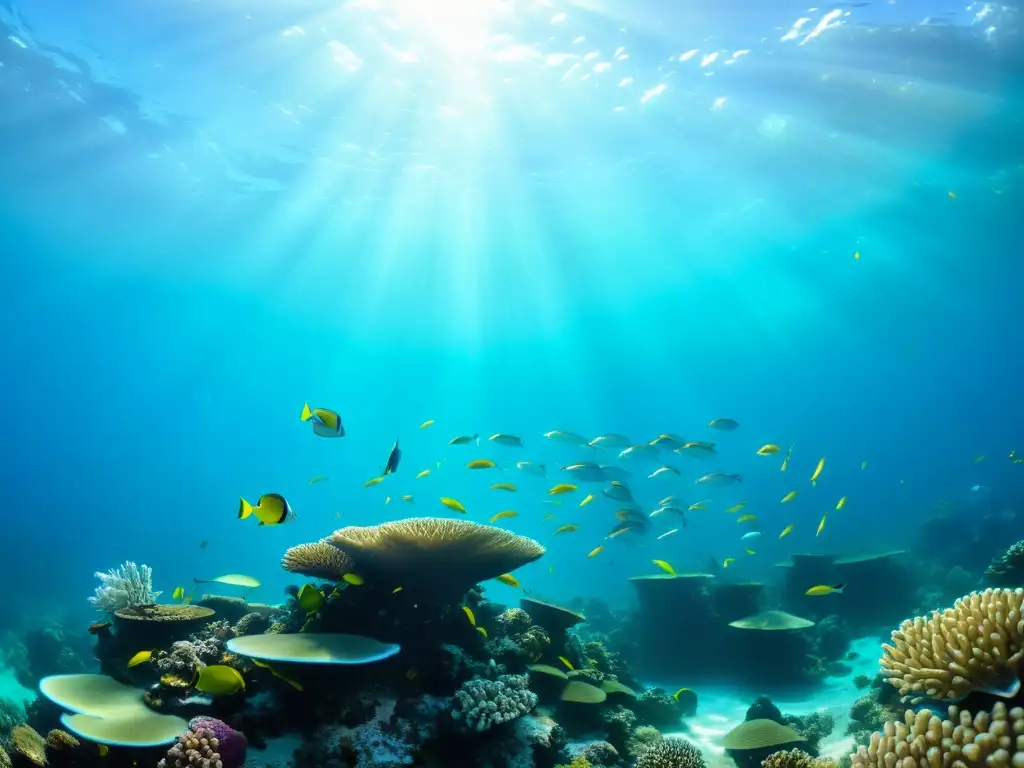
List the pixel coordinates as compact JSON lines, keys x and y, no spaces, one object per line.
{"x":750,"y":536}
{"x":750,"y":551}
{"x":841,"y":504}
{"x":789,"y":496}
{"x":728,"y":561}
{"x":99,"y":627}
{"x":747,"y":518}
{"x":353,"y":578}
{"x":698,"y":506}
{"x":139,"y":658}
{"x":310,"y":599}
{"x":178,"y":593}
{"x":566,"y":662}
{"x":453,"y":505}
{"x":736,"y":507}
{"x":719,"y":479}
{"x":668,"y":441}
{"x":277,"y":673}
{"x":271,"y":509}
{"x":508,"y":580}
{"x":482,"y":631}
{"x":395,"y":456}
{"x":510,"y":441}
{"x":560,"y":436}
{"x":561,"y":488}
{"x":218,"y":680}
{"x":373,"y":481}
{"x":821,"y":525}
{"x":786,"y":531}
{"x":427,"y":423}
{"x":503,"y":487}
{"x":326,"y":423}
{"x":664,"y":566}
{"x":725,"y":425}
{"x":668,"y":533}
{"x":618,"y":492}
{"x":863,"y":465}
{"x":317,"y":479}
{"x":587,"y":499}
{"x":231,"y":579}
{"x":503,"y":515}
{"x":566,"y":529}
{"x":532,"y":468}
{"x":663,"y":470}
{"x":422,"y":474}
{"x":825,"y":589}
{"x":817,"y":471}
{"x":697,"y":449}
{"x":785,"y":461}
{"x":481,"y":464}
{"x":408,"y":497}
{"x":610,"y":442}
{"x":595,"y":551}
{"x":464,"y":440}
{"x":642,"y":451}
{"x":469,"y":614}
{"x":585,"y":472}
{"x":666,"y":510}
{"x":768,"y":450}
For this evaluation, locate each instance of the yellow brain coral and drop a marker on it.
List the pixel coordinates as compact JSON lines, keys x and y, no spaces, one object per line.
{"x":975,"y":645}
{"x":962,"y":740}
{"x":29,"y":744}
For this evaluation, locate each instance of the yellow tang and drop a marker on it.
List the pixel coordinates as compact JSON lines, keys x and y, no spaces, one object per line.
{"x":219,"y":680}
{"x":821,"y":525}
{"x":664,"y":566}
{"x":785,"y":461}
{"x":354,"y":579}
{"x":503,"y":487}
{"x":587,"y":499}
{"x":786,"y":531}
{"x":481,"y":464}
{"x":293,"y":683}
{"x":566,"y":529}
{"x":817,"y":471}
{"x":426,"y":423}
{"x":562,"y":488}
{"x":309,"y":598}
{"x":768,"y":450}
{"x":469,"y":614}
{"x":789,"y":496}
{"x":508,"y":579}
{"x":727,"y":561}
{"x":566,"y":662}
{"x":747,"y":518}
{"x":736,"y":507}
{"x":139,"y":658}
{"x":841,"y":504}
{"x":179,"y":593}
{"x":596,"y":551}
{"x":825,"y":589}
{"x":424,"y":473}
{"x":453,"y":505}
{"x":503,"y":515}
{"x":482,"y":631}
{"x":373,"y":481}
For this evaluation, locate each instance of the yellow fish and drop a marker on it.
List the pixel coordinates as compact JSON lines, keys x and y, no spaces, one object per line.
{"x":179,"y":593}
{"x":841,"y":504}
{"x":785,"y":461}
{"x":373,"y":481}
{"x":219,"y":680}
{"x":979,"y":459}
{"x":426,"y":423}
{"x":768,"y":450}
{"x":565,"y":661}
{"x":139,"y":658}
{"x":309,"y":598}
{"x":103,"y":750}
{"x":736,"y":507}
{"x":825,"y":589}
{"x":508,"y":579}
{"x":271,"y":509}
{"x":562,"y":488}
{"x":503,"y":487}
{"x":408,"y":498}
{"x":863,"y":465}
{"x":503,"y":515}
{"x":453,"y":505}
{"x":679,"y":693}
{"x":698,"y":506}
{"x":481,"y":464}
{"x":318,"y":479}
{"x":664,"y":566}
{"x":747,"y":518}
{"x":566,"y":529}
{"x":326,"y":423}
{"x":424,"y":473}
{"x":821,"y":525}
{"x":272,"y":670}
{"x":354,"y":579}
{"x":587,"y":499}
{"x":817,"y":471}
{"x":596,"y":551}
{"x":789,"y":496}
{"x":469,"y":614}
{"x":396,"y":590}
{"x":482,"y":631}
{"x":727,"y":561}
{"x":750,"y":552}
{"x":786,"y":531}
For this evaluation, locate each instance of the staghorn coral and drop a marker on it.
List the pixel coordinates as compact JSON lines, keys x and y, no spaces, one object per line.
{"x":27,"y":742}
{"x":481,"y":704}
{"x":59,"y":740}
{"x":670,"y":753}
{"x":976,"y":644}
{"x":1007,"y":569}
{"x":124,"y":587}
{"x":961,"y":740}
{"x":318,"y":560}
{"x":795,"y":758}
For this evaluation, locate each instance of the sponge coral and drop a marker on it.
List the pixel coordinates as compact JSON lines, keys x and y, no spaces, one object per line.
{"x":482,"y":704}
{"x":975,"y":645}
{"x":671,"y":753}
{"x":925,"y":739}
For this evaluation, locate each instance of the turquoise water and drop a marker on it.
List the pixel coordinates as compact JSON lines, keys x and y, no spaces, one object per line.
{"x":519,"y":223}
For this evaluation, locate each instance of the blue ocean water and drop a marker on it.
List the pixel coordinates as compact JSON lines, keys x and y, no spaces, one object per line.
{"x":509,"y":217}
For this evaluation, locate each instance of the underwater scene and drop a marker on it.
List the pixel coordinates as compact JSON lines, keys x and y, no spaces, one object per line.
{"x":512,"y":384}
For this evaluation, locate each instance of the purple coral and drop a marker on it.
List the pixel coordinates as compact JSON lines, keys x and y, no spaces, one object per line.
{"x":232,"y":743}
{"x":208,"y":743}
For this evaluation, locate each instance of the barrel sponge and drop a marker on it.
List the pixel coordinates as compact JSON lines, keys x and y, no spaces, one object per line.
{"x":926,"y":740}
{"x":318,"y":560}
{"x":975,"y":645}
{"x":481,"y":704}
{"x":672,"y":752}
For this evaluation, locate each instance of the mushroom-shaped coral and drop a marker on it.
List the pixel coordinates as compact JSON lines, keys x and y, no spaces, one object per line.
{"x":556,"y":619}
{"x":439,"y":556}
{"x":670,"y":753}
{"x":156,"y":626}
{"x":752,"y":741}
{"x":975,"y":645}
{"x":313,"y":648}
{"x":481,"y":704}
{"x":318,"y":560}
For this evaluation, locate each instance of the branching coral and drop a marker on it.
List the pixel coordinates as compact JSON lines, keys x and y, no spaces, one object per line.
{"x":795,"y":758}
{"x":124,"y":587}
{"x":482,"y":704}
{"x":961,"y":740}
{"x":975,"y":645}
{"x":1007,"y":569}
{"x":670,"y":753}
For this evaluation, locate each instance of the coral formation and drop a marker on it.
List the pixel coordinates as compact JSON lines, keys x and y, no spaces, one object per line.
{"x":317,"y":560}
{"x":795,"y":758}
{"x":27,"y":742}
{"x":975,"y":645}
{"x":670,"y":753}
{"x":1007,"y":568}
{"x":600,"y":753}
{"x":123,"y":587}
{"x":481,"y":704}
{"x":656,"y":707}
{"x":641,"y":738}
{"x":208,"y":743}
{"x":59,"y":740}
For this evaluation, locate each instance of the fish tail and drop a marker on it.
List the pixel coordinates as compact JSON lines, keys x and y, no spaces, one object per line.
{"x":477,"y":438}
{"x":244,"y":509}
{"x":307,"y":414}
{"x":838,"y":588}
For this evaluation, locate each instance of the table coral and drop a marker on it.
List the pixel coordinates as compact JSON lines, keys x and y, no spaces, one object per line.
{"x":481,"y":704}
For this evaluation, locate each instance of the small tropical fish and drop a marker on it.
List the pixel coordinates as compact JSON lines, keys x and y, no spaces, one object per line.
{"x":566,"y":662}
{"x":396,"y":590}
{"x":453,"y":505}
{"x":663,"y":470}
{"x":747,"y":518}
{"x":668,"y":441}
{"x":395,"y":456}
{"x":719,"y":479}
{"x":276,"y":673}
{"x":408,"y":498}
{"x":825,"y":589}
{"x":750,"y":551}
{"x":318,"y":479}
{"x":769,"y":449}
{"x":728,"y":561}
{"x":532,"y":468}
{"x":642,"y":451}
{"x":725,"y":425}
{"x":666,"y":510}
{"x":510,"y":441}
{"x":387,"y":499}
{"x":99,"y":627}
{"x":841,"y":504}
{"x":481,"y":464}
{"x":698,"y":506}
{"x":664,"y":566}
{"x":786,"y":531}
{"x":610,"y":442}
{"x":698,"y":450}
{"x":482,"y":631}
{"x":587,"y":499}
{"x":469,"y":614}
{"x":618,"y":492}
{"x":271,"y":509}
{"x":585,"y":472}
{"x":626,"y":527}
{"x":736,"y":507}
{"x":668,"y":533}
{"x":102,"y":750}
{"x":504,"y":487}
{"x":562,"y":488}
{"x":566,"y":529}
{"x":427,"y":423}
{"x":680,"y":692}
{"x":508,"y":580}
{"x":821,"y":525}
{"x":750,"y":536}
{"x":789,"y":496}
{"x":504,"y":515}
{"x":219,"y":680}
{"x":139,"y":658}
{"x":231,"y":579}
{"x":310,"y":599}
{"x":179,"y":593}
{"x":863,"y":465}
{"x":464,"y":440}
{"x":354,"y":579}
{"x":671,"y":501}
{"x":615,"y":474}
{"x":817,"y":471}
{"x":549,"y":516}
{"x":595,"y":551}
{"x":325,"y":423}
{"x":561,"y":436}
{"x":979,"y":459}
{"x":785,"y":461}
{"x":373,"y":481}
{"x":424,"y":473}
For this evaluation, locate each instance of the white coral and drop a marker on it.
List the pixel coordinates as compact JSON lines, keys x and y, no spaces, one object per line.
{"x":122,"y":587}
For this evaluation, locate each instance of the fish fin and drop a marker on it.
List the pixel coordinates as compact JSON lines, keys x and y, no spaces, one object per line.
{"x":307,"y":414}
{"x":244,"y":509}
{"x":839,"y":588}
{"x":477,"y":438}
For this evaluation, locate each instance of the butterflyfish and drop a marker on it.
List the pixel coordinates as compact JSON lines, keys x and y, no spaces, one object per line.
{"x":817,"y":471}
{"x":595,"y":552}
{"x":825,"y":589}
{"x":453,"y":505}
{"x":469,"y":614}
{"x":768,"y":450}
{"x":664,"y":566}
{"x":786,"y":531}
{"x":508,"y":580}
{"x":821,"y":525}
{"x":271,"y":509}
{"x":566,"y":529}
{"x":354,"y":579}
{"x":510,"y":441}
{"x":504,"y":487}
{"x":789,"y":496}
{"x":139,"y":658}
{"x":310,"y":598}
{"x":219,"y":680}
{"x":561,"y":488}
{"x":841,"y":504}
{"x":427,"y":423}
{"x":394,"y":457}
{"x":326,"y":423}
{"x":503,"y":515}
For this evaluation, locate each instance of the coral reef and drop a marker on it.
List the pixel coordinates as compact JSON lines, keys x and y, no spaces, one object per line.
{"x":670,"y":753}
{"x":641,"y":738}
{"x":26,"y":742}
{"x":795,"y":758}
{"x":481,"y":704}
{"x":317,"y":560}
{"x":600,"y":753}
{"x":208,"y":743}
{"x":60,"y":741}
{"x":1007,"y":568}
{"x":656,"y":707}
{"x":123,"y":587}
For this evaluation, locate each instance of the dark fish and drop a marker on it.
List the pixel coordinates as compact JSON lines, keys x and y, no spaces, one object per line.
{"x":203,"y":543}
{"x":393,"y":458}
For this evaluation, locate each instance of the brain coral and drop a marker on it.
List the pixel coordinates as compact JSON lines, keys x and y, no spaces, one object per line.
{"x":481,"y":704}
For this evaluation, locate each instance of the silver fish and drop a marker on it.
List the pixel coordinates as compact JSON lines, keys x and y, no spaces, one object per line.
{"x":610,"y":441}
{"x":719,"y":478}
{"x":561,"y":436}
{"x":612,"y":472}
{"x":585,"y":472}
{"x":618,"y":493}
{"x":532,"y":468}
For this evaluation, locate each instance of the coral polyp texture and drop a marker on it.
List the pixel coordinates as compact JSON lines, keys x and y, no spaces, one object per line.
{"x":961,"y":740}
{"x":124,"y":587}
{"x":975,"y":645}
{"x":482,"y":704}
{"x":670,"y":753}
{"x":318,"y":560}
{"x":795,"y":758}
